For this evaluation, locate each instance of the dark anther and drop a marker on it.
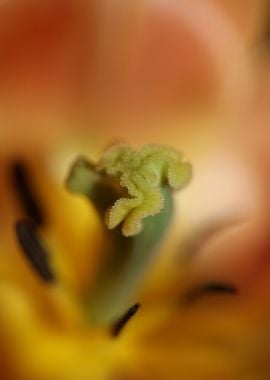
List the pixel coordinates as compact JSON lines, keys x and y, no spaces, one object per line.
{"x":26,"y":192}
{"x":33,"y":249}
{"x":208,"y":289}
{"x":118,"y":327}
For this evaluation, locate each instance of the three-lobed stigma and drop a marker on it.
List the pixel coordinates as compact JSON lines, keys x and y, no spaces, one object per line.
{"x":142,"y":174}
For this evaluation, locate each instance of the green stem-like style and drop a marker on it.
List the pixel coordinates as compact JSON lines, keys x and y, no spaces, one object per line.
{"x":125,"y":266}
{"x":132,"y":189}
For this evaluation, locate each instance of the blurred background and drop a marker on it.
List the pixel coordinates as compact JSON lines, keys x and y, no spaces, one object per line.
{"x":78,"y":75}
{"x":126,"y":67}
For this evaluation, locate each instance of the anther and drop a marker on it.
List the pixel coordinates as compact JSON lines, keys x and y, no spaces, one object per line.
{"x":118,"y":327}
{"x":33,"y":249}
{"x":208,"y":289}
{"x":25,"y":192}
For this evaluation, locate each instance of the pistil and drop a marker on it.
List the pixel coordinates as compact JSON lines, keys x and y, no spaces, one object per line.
{"x":132,"y":191}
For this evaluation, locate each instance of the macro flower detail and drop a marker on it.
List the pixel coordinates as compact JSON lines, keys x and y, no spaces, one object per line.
{"x":108,"y":270}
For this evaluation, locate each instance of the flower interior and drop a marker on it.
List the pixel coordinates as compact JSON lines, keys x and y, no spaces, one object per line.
{"x":132,"y":193}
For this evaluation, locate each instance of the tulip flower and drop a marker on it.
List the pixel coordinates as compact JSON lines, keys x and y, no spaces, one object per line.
{"x":100,"y":273}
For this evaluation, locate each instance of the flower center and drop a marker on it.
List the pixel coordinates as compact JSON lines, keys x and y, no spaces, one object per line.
{"x":132,"y":192}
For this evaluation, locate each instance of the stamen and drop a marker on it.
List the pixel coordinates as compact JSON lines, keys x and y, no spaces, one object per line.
{"x":211,"y":288}
{"x":33,"y":249}
{"x":118,"y":327}
{"x":26,"y":193}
